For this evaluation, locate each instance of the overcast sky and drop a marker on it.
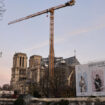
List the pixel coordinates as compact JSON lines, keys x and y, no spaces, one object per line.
{"x":80,"y":27}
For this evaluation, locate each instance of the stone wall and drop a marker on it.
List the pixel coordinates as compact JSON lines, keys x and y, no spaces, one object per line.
{"x":69,"y":101}
{"x":57,"y":101}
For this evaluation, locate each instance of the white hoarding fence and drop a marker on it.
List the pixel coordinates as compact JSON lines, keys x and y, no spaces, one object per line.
{"x":90,"y":79}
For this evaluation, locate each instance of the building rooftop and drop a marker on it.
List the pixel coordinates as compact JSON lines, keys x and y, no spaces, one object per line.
{"x":72,"y":61}
{"x":35,"y":56}
{"x":17,"y":54}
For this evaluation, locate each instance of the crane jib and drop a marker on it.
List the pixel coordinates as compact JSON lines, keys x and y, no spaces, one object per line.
{"x":70,"y":3}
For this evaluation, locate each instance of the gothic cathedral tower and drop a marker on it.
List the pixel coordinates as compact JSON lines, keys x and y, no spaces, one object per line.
{"x":18,"y":69}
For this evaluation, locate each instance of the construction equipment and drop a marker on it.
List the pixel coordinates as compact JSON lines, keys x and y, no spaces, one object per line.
{"x":51,"y":50}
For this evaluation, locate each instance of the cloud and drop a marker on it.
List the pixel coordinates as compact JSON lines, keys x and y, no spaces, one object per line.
{"x":37,"y":46}
{"x":81,"y":31}
{"x":43,"y":44}
{"x":97,"y":26}
{"x":65,"y":37}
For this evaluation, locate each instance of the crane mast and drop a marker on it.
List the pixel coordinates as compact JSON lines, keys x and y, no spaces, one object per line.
{"x":51,"y":49}
{"x":51,"y":40}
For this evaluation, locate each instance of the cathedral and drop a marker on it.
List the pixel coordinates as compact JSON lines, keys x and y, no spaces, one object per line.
{"x":37,"y":71}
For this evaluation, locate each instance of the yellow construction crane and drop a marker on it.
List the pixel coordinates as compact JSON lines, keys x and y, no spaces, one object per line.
{"x":51,"y":11}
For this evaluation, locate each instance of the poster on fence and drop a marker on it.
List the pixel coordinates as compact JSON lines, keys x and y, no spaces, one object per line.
{"x":90,"y":79}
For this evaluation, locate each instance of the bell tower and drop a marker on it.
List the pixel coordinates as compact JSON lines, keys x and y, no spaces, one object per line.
{"x":18,"y":69}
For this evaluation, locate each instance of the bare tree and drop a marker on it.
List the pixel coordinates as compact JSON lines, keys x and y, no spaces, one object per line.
{"x":58,"y":85}
{"x":2,"y":9}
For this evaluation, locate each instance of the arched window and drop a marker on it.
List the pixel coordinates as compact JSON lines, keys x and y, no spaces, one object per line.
{"x":23,"y":62}
{"x":20,"y":61}
{"x":15,"y":62}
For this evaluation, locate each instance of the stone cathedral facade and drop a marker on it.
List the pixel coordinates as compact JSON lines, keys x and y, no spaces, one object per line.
{"x":22,"y":75}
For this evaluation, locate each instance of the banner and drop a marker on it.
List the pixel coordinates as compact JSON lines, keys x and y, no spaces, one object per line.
{"x":90,"y":79}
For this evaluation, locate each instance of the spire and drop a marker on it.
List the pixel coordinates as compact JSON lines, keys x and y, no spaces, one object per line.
{"x":75,"y":52}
